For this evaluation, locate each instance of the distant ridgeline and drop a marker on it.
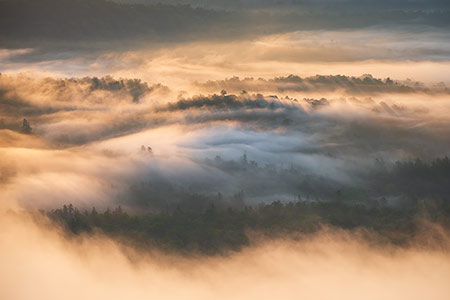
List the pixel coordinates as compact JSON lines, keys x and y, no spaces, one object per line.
{"x":91,"y":20}
{"x":68,"y":20}
{"x":324,"y":83}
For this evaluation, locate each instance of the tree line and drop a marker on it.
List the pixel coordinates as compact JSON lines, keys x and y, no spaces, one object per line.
{"x":218,"y":231}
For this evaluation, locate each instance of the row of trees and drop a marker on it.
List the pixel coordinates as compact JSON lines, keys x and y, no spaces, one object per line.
{"x":214,"y":231}
{"x":400,"y":184}
{"x":414,"y":179}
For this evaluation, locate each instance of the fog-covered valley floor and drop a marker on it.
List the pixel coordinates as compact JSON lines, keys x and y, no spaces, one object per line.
{"x":203,"y":149}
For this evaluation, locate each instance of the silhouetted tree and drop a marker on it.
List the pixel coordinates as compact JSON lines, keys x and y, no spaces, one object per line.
{"x":26,"y":127}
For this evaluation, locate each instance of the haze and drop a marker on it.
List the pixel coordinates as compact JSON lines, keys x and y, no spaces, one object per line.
{"x":224,"y":149}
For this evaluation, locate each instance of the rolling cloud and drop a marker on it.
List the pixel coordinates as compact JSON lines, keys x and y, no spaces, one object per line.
{"x":303,"y":143}
{"x":93,"y":267}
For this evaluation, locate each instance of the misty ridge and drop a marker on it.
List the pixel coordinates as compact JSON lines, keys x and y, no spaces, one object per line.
{"x":131,"y":105}
{"x":52,"y":24}
{"x":231,"y":150}
{"x":308,"y":4}
{"x":365,"y":84}
{"x":48,"y":97}
{"x":98,"y":19}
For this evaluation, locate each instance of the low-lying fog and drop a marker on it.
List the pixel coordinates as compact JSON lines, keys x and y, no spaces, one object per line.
{"x":38,"y":263}
{"x":86,"y":139}
{"x":288,"y":115}
{"x":257,"y":137}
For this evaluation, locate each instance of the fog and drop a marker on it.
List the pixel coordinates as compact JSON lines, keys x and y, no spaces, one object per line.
{"x":94,"y":267}
{"x":421,"y":55}
{"x":89,"y":132}
{"x":56,"y":24}
{"x":224,"y":149}
{"x":322,"y":116}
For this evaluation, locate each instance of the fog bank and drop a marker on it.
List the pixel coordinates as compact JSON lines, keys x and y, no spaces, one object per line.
{"x":329,"y":265}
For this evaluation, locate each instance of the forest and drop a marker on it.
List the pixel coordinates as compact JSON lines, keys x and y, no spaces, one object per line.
{"x":209,"y":229}
{"x":218,"y":231}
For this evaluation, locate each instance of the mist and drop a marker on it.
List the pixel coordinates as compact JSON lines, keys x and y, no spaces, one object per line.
{"x":95,"y":267}
{"x":224,"y":149}
{"x":95,"y":132}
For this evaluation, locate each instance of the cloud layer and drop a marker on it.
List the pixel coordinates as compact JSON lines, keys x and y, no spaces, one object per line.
{"x":89,"y":132}
{"x":94,"y":267}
